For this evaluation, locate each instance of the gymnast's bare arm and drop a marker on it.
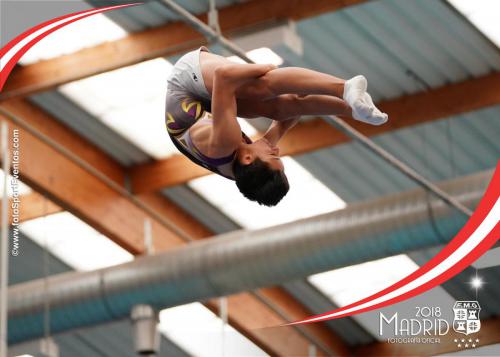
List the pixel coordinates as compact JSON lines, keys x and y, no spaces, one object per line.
{"x":226,"y":132}
{"x":278,"y":129}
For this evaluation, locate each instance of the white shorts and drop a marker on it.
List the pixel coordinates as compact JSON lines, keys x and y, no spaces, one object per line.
{"x":186,"y":75}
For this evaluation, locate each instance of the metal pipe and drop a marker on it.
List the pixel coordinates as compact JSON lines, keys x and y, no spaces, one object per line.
{"x":244,"y":260}
{"x":213,"y":17}
{"x":339,"y":123}
{"x":206,"y":30}
{"x":4,"y":244}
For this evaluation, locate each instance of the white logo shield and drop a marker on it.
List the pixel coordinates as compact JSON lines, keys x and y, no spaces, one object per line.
{"x":466,"y":318}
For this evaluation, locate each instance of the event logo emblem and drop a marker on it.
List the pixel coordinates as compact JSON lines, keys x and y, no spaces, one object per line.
{"x":466,"y":318}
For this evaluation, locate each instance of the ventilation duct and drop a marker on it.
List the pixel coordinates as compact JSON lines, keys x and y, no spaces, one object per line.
{"x":244,"y":260}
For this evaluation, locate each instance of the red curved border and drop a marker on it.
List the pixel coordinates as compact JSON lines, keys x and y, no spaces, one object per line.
{"x":4,"y":73}
{"x":487,"y":202}
{"x":492,"y":194}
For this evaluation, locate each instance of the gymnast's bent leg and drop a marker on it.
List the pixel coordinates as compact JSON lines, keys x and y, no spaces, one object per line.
{"x":301,"y":81}
{"x":305,"y":82}
{"x":288,"y":106}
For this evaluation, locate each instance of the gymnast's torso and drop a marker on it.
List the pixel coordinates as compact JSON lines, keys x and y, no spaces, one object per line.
{"x":188,"y":117}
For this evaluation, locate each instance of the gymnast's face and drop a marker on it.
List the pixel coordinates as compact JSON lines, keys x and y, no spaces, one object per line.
{"x":264,"y":151}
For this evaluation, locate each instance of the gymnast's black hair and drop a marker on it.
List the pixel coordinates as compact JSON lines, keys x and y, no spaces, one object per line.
{"x":258,"y":182}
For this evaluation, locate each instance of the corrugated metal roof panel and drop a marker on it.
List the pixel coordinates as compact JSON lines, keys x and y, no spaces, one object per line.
{"x":200,"y":209}
{"x":27,"y":266}
{"x":439,"y":150}
{"x":417,"y":48}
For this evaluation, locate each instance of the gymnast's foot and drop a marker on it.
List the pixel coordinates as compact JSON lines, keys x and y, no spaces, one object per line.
{"x":354,"y":93}
{"x":361,"y":103}
{"x":377,"y":117}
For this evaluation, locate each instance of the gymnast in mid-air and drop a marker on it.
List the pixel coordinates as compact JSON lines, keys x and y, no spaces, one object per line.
{"x":206,"y":92}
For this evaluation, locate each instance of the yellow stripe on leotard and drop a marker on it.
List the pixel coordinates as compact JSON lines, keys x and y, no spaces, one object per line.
{"x":186,"y":106}
{"x":170,"y":119}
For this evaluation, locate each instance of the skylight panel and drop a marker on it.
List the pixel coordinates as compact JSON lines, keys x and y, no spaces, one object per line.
{"x":131,"y":101}
{"x":90,"y":31}
{"x":22,"y":189}
{"x":347,"y":285}
{"x":307,"y":197}
{"x":483,"y":14}
{"x":260,"y":55}
{"x":265,"y":55}
{"x":246,"y":127}
{"x":198,"y":331}
{"x":74,"y":242}
{"x":236,"y":59}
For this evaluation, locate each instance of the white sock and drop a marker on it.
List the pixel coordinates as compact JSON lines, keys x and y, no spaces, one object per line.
{"x":363,"y":108}
{"x":354,"y":91}
{"x":377,"y":117}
